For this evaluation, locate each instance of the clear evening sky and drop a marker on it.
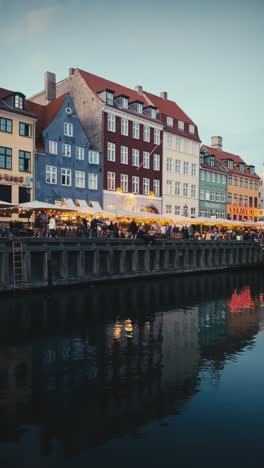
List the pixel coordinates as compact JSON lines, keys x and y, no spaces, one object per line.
{"x":207,"y":54}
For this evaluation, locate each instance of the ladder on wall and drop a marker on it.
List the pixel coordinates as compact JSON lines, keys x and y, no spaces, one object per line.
{"x":18,"y":265}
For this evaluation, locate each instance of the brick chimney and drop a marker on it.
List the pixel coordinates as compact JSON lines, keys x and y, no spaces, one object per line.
{"x":50,"y":86}
{"x":71,"y":71}
{"x":164,"y":95}
{"x":217,"y":142}
{"x":139,"y":89}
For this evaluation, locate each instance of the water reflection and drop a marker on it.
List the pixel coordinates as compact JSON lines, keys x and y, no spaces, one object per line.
{"x":89,"y":365}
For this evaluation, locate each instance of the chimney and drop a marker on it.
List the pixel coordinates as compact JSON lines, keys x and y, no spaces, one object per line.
{"x":71,"y":71}
{"x":164,"y":95}
{"x":50,"y":86}
{"x":217,"y":142}
{"x":139,"y":89}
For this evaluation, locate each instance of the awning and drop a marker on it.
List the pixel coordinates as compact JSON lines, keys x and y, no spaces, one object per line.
{"x":96,"y":206}
{"x":68,"y":202}
{"x":4,"y":204}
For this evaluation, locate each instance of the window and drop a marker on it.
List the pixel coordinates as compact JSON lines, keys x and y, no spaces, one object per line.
{"x":19,"y":102}
{"x":251,"y":184}
{"x":177,"y":166}
{"x":168,"y":209}
{"x":202,"y":175}
{"x":53,"y":147}
{"x":246,"y":183}
{"x":66,"y":177}
{"x":255,"y":185}
{"x":208,"y":176}
{"x":51,"y":175}
{"x":5,"y":158}
{"x":223,"y":197}
{"x":124,"y":155}
{"x":185,"y":168}
{"x":23,"y":195}
{"x":156,"y":162}
{"x":110,"y":180}
{"x":24,"y":161}
{"x":79,"y":153}
{"x":169,"y":164}
{"x":185,"y":190}
{"x":135,"y":184}
{"x":111,"y":152}
{"x":191,"y":129}
{"x":177,"y":209}
{"x":6,"y":125}
{"x":169,"y":121}
{"x":169,"y":141}
{"x":223,"y":179}
{"x":245,"y":200}
{"x":212,"y":197}
{"x":156,"y":187}
{"x":241,"y":167}
{"x":180,"y":125}
{"x":124,"y":182}
{"x":156,"y":137}
{"x":135,"y":157}
{"x":193,"y":191}
{"x":68,"y":129}
{"x":66,"y":150}
{"x":235,"y":181}
{"x":201,"y":194}
{"x":229,"y":198}
{"x":229,"y":179}
{"x":139,"y":108}
{"x":169,"y":187}
{"x":145,"y":186}
{"x":178,"y":143}
{"x":212,"y":176}
{"x":193,"y":212}
{"x":153,"y":113}
{"x":202,"y":212}
{"x":252,"y":170}
{"x":240,"y":182}
{"x":177,"y":188}
{"x":217,"y":197}
{"x":207,"y":195}
{"x":230,"y":164}
{"x":124,"y":102}
{"x":212,"y":161}
{"x":136,"y":130}
{"x":218,"y":178}
{"x":193,"y":169}
{"x":79,"y":179}
{"x":124,"y":127}
{"x":146,"y":133}
{"x":111,"y":123}
{"x":235,"y":199}
{"x":240,"y":200}
{"x":92,"y":181}
{"x":93,"y":157}
{"x":24,"y":129}
{"x":6,"y":195}
{"x":109,"y":98}
{"x":145,"y":160}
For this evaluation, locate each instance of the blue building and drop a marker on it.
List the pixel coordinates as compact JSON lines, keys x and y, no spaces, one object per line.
{"x":66,"y":166}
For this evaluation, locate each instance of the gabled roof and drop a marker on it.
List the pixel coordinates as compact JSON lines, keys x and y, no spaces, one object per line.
{"x":30,"y":109}
{"x":224,"y":155}
{"x":168,"y":108}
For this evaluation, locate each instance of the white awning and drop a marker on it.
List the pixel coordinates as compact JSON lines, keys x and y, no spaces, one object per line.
{"x":96,"y":206}
{"x":81,"y":203}
{"x":69,"y":203}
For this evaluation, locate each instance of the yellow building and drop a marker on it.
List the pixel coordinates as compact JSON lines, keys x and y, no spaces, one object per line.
{"x":243,"y":184}
{"x":17,"y":147}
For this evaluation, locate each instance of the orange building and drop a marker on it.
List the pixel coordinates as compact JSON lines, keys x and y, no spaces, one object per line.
{"x":243,"y":184}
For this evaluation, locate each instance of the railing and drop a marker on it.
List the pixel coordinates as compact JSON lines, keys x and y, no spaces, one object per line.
{"x":51,"y":262}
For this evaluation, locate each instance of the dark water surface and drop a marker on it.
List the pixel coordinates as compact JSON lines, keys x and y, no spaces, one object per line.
{"x":158,"y":373}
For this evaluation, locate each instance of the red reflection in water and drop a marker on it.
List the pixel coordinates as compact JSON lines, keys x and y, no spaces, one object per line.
{"x":241,"y":300}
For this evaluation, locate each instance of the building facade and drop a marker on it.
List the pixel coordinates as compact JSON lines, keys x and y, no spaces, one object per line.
{"x":181,"y":150}
{"x":66,"y":166}
{"x":120,"y":123}
{"x":17,"y":147}
{"x":242,"y":183}
{"x":213,"y":186}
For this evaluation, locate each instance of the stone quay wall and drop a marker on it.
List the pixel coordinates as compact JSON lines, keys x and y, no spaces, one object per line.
{"x":62,"y":262}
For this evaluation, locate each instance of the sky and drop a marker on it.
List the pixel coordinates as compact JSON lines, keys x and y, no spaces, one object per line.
{"x":207,"y":54}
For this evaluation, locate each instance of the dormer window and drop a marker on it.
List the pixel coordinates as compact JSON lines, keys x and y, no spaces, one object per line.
{"x":170,"y":121}
{"x":212,"y":161}
{"x":180,"y":125}
{"x":230,"y":164}
{"x":202,"y":158}
{"x":191,"y":129}
{"x":109,"y":98}
{"x":139,"y":108}
{"x":19,"y":102}
{"x":252,"y":170}
{"x":241,"y":167}
{"x":153,"y":113}
{"x":124,"y":102}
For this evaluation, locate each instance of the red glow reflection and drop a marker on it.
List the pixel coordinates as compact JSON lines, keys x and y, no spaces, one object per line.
{"x":241,"y":300}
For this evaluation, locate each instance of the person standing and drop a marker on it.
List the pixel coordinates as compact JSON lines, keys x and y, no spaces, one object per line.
{"x":52,"y":226}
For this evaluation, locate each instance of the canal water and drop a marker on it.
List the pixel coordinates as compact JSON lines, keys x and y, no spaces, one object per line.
{"x":157,"y":373}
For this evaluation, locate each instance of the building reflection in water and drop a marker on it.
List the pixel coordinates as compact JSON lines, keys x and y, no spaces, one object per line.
{"x":87,"y":365}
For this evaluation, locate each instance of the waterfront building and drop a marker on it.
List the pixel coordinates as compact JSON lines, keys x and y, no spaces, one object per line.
{"x":242,"y":183}
{"x":17,"y":146}
{"x":213,"y":186}
{"x":181,"y":150}
{"x":67,"y":168}
{"x":123,"y":125}
{"x":261,"y":197}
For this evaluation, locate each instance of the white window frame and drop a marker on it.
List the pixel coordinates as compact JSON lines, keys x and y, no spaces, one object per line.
{"x":135,"y":132}
{"x":177,"y":188}
{"x":79,"y":153}
{"x":146,"y":186}
{"x":124,"y":155}
{"x":185,"y":189}
{"x":124,"y":126}
{"x":180,"y":125}
{"x":178,"y":143}
{"x":135,"y":184}
{"x":66,"y":150}
{"x":135,"y":157}
{"x":156,"y":162}
{"x":193,"y":170}
{"x":111,"y":122}
{"x":185,"y":168}
{"x":168,"y":209}
{"x":156,"y":136}
{"x":93,"y":157}
{"x":169,"y":121}
{"x":111,"y":152}
{"x":156,"y":187}
{"x":191,"y":129}
{"x":92,"y":181}
{"x":177,"y":166}
{"x":53,"y":147}
{"x":146,"y":133}
{"x":124,"y":182}
{"x":177,"y":210}
{"x":124,"y":102}
{"x":68,"y":129}
{"x":169,"y":164}
{"x":80,"y":179}
{"x":67,"y":173}
{"x":146,"y":159}
{"x":111,"y":180}
{"x":51,"y":175}
{"x":169,"y":186}
{"x":193,"y":191}
{"x":169,"y":141}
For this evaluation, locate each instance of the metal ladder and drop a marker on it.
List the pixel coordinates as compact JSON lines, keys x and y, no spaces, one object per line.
{"x":18,"y":265}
